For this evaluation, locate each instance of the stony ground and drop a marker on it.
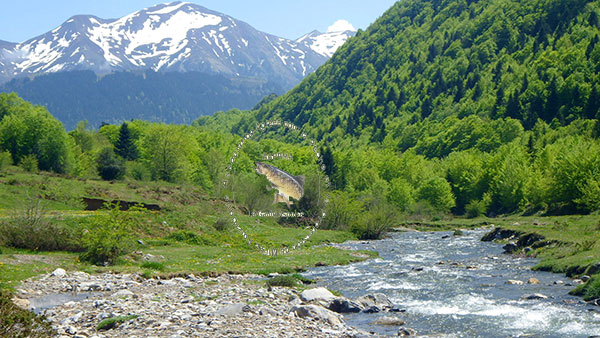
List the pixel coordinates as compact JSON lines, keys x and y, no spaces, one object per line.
{"x":225,"y":306}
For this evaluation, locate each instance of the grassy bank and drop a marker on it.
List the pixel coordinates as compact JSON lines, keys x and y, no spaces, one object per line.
{"x":188,"y":235}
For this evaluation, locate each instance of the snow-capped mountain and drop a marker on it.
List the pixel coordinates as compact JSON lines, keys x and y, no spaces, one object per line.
{"x":177,"y":36}
{"x":326,"y":43}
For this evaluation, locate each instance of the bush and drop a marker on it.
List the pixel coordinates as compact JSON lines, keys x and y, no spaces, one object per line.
{"x":5,"y":160}
{"x":477,"y":208}
{"x":377,"y":221}
{"x":138,"y":171}
{"x":16,"y":322}
{"x":28,"y":228}
{"x":292,"y":280}
{"x":109,"y":165}
{"x":342,"y":211}
{"x":29,"y":163}
{"x":222,"y":224}
{"x":108,"y":237}
{"x":113,"y":322}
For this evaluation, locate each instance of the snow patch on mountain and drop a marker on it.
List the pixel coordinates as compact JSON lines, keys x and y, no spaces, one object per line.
{"x":327,"y":43}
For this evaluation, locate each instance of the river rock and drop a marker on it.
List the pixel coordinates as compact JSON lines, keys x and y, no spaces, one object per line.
{"x":388,"y":320}
{"x":375,"y":299}
{"x":372,"y":309}
{"x":534,"y":296}
{"x":510,"y":248}
{"x":344,"y":305}
{"x":319,"y":293}
{"x":58,"y":273}
{"x":90,"y":286}
{"x":533,"y":280}
{"x":404,"y":331}
{"x":514,"y":282}
{"x":122,"y":293}
{"x":22,"y":303}
{"x":578,"y":281}
{"x":233,"y":309}
{"x":317,"y":312}
{"x":585,"y":278}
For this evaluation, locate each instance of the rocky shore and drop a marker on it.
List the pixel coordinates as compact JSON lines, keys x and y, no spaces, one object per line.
{"x":126,"y":305}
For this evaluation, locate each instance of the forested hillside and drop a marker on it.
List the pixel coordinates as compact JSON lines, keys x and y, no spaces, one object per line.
{"x":471,"y":106}
{"x":425,"y":61}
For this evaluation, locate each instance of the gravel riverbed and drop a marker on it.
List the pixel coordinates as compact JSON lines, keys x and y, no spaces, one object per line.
{"x":189,"y":306}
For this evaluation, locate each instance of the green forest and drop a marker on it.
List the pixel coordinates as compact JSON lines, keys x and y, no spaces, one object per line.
{"x":445,"y":107}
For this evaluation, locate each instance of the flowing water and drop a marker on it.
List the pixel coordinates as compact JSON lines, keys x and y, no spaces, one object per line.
{"x":466,"y":296}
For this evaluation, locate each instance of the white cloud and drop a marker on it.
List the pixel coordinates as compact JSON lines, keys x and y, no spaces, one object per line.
{"x":340,"y":26}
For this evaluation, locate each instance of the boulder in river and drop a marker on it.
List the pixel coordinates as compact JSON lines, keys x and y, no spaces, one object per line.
{"x":317,"y":312}
{"x":404,"y":331}
{"x":534,"y":296}
{"x":375,"y":299}
{"x":319,"y":293}
{"x":533,"y":280}
{"x":510,"y":248}
{"x":344,"y":305}
{"x":514,"y":282}
{"x":388,"y":320}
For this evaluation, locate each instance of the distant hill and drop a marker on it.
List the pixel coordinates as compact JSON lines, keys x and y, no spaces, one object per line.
{"x":423,"y":62}
{"x":153,"y":96}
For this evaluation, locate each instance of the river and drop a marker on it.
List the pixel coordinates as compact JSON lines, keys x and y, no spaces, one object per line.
{"x":466,"y":296}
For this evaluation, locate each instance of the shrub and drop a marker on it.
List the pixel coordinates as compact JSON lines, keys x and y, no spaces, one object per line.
{"x":109,"y":165}
{"x":138,"y":171}
{"x":29,"y":163}
{"x":16,"y":322}
{"x":375,"y":223}
{"x":222,"y":224}
{"x":29,"y":228}
{"x":292,"y":280}
{"x":438,"y":193}
{"x":186,"y":236}
{"x":477,"y":208}
{"x":5,"y":160}
{"x":342,"y":211}
{"x":113,"y":322}
{"x":108,"y":237}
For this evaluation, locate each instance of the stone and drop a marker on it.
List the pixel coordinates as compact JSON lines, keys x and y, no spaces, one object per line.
{"x":233,"y":309}
{"x":317,"y":312}
{"x":319,"y":293}
{"x":514,"y":282}
{"x":585,"y":278}
{"x":593,"y":269}
{"x":372,"y":309}
{"x":122,"y":293}
{"x":388,"y":320}
{"x":58,"y":273}
{"x":140,"y":242}
{"x":510,"y":248}
{"x":22,"y":303}
{"x":534,"y":296}
{"x":90,"y":286}
{"x":268,"y":311}
{"x":71,"y":330}
{"x":558,"y":282}
{"x":375,"y":299}
{"x":533,"y":280}
{"x":396,"y":309}
{"x":404,"y":331}
{"x":344,"y":305}
{"x":578,"y":281}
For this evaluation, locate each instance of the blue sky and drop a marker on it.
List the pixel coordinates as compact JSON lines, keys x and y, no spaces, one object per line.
{"x":24,"y":19}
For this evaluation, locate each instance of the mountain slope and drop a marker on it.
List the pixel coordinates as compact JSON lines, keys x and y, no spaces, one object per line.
{"x":170,"y":37}
{"x":326,"y":43}
{"x":423,"y":62}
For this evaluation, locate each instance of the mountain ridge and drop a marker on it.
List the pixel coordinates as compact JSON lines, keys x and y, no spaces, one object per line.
{"x":177,"y":36}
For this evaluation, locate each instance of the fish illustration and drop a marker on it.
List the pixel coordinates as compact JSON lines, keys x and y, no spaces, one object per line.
{"x":287,"y":184}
